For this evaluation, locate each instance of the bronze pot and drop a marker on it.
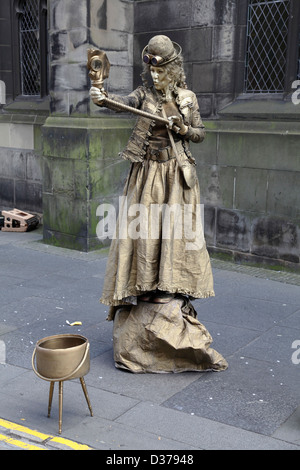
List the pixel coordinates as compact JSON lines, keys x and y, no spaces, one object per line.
{"x":61,"y":357}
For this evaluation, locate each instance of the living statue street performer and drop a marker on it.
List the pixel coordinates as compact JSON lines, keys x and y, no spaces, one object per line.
{"x":153,"y":274}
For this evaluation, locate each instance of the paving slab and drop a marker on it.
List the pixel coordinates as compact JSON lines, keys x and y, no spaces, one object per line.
{"x":290,"y":430}
{"x":254,"y":320}
{"x":155,"y":387}
{"x":197,"y":432}
{"x":251,"y":394}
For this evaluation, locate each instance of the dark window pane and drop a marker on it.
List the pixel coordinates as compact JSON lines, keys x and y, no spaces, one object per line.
{"x":30,"y":48}
{"x":267,"y":41}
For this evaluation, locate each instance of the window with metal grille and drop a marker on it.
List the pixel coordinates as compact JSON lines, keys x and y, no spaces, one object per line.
{"x":267,"y":46}
{"x":33,"y":47}
{"x":30,"y":48}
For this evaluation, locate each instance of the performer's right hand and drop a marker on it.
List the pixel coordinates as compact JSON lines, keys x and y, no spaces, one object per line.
{"x":97,"y":95}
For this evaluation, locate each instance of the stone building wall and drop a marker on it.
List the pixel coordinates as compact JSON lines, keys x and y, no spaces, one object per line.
{"x":21,"y":174}
{"x":248,"y":165}
{"x":209,"y":34}
{"x":20,"y":137}
{"x":81,"y":142}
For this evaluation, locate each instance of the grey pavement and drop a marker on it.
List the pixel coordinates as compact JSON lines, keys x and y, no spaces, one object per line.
{"x":254,"y":321}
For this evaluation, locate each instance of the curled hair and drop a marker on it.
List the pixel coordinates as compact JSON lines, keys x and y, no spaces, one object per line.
{"x":174,"y":69}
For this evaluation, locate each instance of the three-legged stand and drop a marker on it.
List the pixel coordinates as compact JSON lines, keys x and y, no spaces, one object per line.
{"x":60,"y":400}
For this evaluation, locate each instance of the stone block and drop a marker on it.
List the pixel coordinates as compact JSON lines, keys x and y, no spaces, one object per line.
{"x":203,"y":77}
{"x":205,"y":104}
{"x":224,"y":178}
{"x":213,"y":77}
{"x":223,"y":77}
{"x":233,"y":230}
{"x":5,"y":50}
{"x":64,"y":142}
{"x":67,"y":15}
{"x":33,"y":167}
{"x":216,"y":185}
{"x":7,"y":78}
{"x":109,"y":40}
{"x":119,"y":15}
{"x":7,"y":192}
{"x":283,"y":193}
{"x":213,"y":12}
{"x":78,"y":41}
{"x":119,"y":58}
{"x":62,"y":175}
{"x":28,"y":195}
{"x":200,"y":47}
{"x":240,"y":40}
{"x":21,"y":182}
{"x":22,"y":136}
{"x":251,"y":189}
{"x":98,"y":13}
{"x":37,"y":135}
{"x":226,"y":12}
{"x":78,"y":103}
{"x":106,"y":178}
{"x":69,"y":103}
{"x":120,"y":79}
{"x":80,"y":180}
{"x":151,"y":16}
{"x":68,"y":46}
{"x":66,"y":77}
{"x":19,"y":136}
{"x":58,"y":45}
{"x":203,"y":14}
{"x":5,"y":36}
{"x":107,"y":141}
{"x":223,"y":42}
{"x":206,"y":151}
{"x":65,"y":240}
{"x":47,"y":165}
{"x":64,"y":214}
{"x":222,"y":100}
{"x":276,"y":237}
{"x":259,"y":149}
{"x":4,"y":134}
{"x":59,"y":104}
{"x":210,"y":225}
{"x":12,"y":163}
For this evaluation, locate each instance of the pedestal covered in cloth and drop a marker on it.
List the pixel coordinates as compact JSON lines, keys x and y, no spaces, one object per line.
{"x":161,"y":338}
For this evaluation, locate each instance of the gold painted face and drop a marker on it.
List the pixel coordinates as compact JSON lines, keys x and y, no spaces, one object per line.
{"x":160,"y":78}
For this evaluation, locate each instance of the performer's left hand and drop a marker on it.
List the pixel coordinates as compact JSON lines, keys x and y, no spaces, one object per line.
{"x":177,"y":125}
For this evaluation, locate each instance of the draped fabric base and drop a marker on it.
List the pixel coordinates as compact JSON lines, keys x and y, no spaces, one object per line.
{"x":163,"y":338}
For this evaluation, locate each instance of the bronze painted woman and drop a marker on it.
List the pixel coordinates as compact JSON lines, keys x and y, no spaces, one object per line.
{"x":167,"y":260}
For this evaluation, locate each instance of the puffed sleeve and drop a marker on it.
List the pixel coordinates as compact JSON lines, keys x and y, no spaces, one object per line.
{"x":190,"y":109}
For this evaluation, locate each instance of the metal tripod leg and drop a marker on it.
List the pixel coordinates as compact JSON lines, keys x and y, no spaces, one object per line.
{"x":50,"y":397}
{"x":86,"y":394}
{"x":60,"y":396}
{"x":60,"y":400}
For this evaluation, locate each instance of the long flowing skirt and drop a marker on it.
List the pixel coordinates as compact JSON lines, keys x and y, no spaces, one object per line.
{"x":159,"y":241}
